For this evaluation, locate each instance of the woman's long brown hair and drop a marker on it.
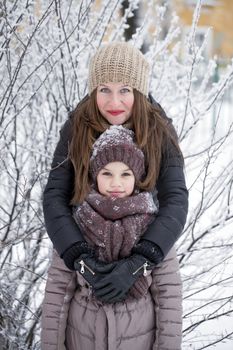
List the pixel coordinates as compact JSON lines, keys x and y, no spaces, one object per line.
{"x":152,"y":135}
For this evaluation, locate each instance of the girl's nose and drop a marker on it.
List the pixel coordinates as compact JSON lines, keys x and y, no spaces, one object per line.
{"x":115,"y":182}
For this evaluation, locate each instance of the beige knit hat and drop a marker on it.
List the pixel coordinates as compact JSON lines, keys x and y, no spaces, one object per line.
{"x":116,"y":144}
{"x":119,"y":62}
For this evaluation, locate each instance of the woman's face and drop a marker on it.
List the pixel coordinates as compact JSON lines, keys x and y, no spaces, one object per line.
{"x":115,"y":102}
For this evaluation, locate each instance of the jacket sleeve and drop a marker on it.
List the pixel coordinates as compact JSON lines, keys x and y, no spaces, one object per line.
{"x":173,"y":198}
{"x":59,"y":291}
{"x":59,"y":222}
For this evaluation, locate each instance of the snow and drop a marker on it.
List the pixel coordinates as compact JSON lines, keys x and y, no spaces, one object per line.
{"x":115,"y":135}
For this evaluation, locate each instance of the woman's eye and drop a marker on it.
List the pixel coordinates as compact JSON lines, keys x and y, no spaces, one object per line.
{"x":104,"y":90}
{"x":106,"y":173}
{"x":125,"y":90}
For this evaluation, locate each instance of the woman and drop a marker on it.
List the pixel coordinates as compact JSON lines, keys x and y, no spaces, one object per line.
{"x":118,"y":94}
{"x":155,"y":135}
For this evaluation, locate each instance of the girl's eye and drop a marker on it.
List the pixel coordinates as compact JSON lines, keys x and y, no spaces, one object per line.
{"x":106,"y":173}
{"x":126,"y":174}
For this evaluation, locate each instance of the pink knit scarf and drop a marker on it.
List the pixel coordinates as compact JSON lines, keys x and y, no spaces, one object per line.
{"x":114,"y":225}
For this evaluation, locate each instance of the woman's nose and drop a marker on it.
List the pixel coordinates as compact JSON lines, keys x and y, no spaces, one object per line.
{"x":115,"y":100}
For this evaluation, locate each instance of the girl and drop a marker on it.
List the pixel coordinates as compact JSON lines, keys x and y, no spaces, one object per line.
{"x":112,"y":219}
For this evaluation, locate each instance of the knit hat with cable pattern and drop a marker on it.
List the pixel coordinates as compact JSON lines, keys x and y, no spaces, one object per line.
{"x":119,"y":62}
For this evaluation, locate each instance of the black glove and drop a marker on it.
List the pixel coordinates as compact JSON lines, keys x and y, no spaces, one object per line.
{"x":75,"y":251}
{"x":89,"y":268}
{"x":149,"y":250}
{"x":116,"y":284}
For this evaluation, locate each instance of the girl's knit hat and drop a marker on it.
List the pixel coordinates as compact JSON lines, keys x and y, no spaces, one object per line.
{"x":119,"y":62}
{"x":116,"y":144}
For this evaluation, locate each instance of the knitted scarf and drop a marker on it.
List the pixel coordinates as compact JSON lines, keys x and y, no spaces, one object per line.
{"x":114,"y":225}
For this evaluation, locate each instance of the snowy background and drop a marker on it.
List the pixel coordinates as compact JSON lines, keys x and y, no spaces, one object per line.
{"x":45,"y":47}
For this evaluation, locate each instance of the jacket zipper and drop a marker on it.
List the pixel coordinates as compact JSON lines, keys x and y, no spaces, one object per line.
{"x":83,"y":265}
{"x":144,"y":266}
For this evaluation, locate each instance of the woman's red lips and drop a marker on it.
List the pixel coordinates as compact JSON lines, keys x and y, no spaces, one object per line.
{"x":116,"y":112}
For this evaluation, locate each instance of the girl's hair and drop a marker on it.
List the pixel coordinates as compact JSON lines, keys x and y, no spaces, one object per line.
{"x":152,"y":132}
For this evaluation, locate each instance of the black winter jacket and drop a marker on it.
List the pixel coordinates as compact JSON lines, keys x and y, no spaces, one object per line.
{"x":172,"y":195}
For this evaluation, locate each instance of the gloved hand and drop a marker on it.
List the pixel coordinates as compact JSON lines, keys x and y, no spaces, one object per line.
{"x":91,"y":269}
{"x":150,"y":250}
{"x":116,"y":284}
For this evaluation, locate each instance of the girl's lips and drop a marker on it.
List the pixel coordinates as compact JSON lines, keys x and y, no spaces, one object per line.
{"x":117,"y":112}
{"x":116,"y":194}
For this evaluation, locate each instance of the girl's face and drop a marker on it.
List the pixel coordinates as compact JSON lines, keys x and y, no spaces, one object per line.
{"x":115,"y":102}
{"x":116,"y":179}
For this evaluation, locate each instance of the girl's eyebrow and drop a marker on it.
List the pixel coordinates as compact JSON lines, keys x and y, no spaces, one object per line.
{"x":128,"y":169}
